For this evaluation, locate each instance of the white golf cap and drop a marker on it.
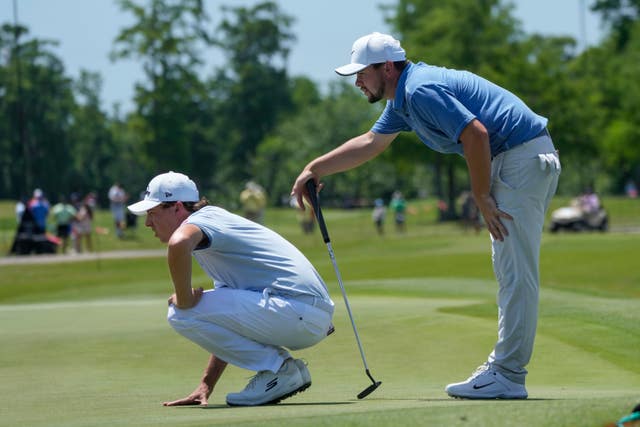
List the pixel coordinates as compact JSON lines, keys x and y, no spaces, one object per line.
{"x":166,"y":187}
{"x":373,"y":48}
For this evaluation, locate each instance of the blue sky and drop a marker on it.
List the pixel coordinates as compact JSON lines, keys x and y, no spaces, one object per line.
{"x":325,"y":31}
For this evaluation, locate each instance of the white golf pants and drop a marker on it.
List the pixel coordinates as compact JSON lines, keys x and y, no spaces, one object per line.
{"x":523,"y":181}
{"x":250,"y":329}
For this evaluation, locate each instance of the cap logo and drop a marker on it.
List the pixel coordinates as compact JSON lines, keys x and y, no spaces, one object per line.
{"x":167,"y":194}
{"x":168,"y":187}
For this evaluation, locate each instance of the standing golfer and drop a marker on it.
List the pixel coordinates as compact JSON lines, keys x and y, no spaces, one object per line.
{"x":267,"y":295}
{"x":513,"y":168}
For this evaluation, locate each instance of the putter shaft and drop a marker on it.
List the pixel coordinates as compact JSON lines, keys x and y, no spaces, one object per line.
{"x":311,"y":188}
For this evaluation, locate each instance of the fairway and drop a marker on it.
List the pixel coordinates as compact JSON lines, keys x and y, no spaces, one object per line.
{"x":112,"y":362}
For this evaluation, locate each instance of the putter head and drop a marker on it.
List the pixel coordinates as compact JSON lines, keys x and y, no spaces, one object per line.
{"x":367,"y":391}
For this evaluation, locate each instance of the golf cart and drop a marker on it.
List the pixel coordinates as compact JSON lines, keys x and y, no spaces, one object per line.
{"x":577,"y":218}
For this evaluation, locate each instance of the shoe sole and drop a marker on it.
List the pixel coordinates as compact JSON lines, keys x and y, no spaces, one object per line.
{"x":489,"y":397}
{"x":277,"y":399}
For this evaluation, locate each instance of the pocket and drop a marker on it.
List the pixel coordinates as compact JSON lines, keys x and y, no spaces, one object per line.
{"x":312,"y":319}
{"x":505,"y":172}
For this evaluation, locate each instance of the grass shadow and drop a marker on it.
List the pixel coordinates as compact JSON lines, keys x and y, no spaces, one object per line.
{"x":223,"y":406}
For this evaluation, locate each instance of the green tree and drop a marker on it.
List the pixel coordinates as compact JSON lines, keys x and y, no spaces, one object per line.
{"x":619,"y":149}
{"x":547,"y":75}
{"x":253,"y":89}
{"x":37,"y":101}
{"x":314,"y":130}
{"x":95,"y":156}
{"x":172,"y":106}
{"x":620,"y":16}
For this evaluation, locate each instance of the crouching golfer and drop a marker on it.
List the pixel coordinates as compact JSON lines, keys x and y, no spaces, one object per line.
{"x":267,"y":296}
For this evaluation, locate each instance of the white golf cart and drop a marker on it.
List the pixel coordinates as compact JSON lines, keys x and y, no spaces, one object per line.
{"x":576,"y":218}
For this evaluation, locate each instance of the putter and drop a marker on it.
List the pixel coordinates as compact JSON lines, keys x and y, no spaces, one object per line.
{"x":313,"y":197}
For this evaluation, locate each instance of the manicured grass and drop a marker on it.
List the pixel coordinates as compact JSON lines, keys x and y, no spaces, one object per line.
{"x":113,"y":362}
{"x":87,"y":344}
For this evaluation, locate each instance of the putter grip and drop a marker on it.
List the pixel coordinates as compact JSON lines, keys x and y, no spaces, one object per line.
{"x":313,"y":197}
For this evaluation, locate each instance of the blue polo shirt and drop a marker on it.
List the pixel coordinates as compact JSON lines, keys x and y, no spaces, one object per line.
{"x":438,"y":103}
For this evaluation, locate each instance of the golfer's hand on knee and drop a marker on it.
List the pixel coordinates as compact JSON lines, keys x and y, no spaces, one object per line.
{"x":492,"y":217}
{"x":199,"y":396}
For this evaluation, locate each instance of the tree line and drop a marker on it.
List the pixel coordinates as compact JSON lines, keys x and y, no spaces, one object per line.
{"x":249,"y":119}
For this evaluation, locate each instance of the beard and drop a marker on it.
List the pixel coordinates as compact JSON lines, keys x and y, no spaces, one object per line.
{"x":378,"y":95}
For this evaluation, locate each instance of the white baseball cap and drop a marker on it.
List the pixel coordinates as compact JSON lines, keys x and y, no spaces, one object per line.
{"x":373,"y":48}
{"x":166,"y":187}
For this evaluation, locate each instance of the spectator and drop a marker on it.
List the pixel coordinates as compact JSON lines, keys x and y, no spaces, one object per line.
{"x":253,"y":201}
{"x":39,"y":207}
{"x":64,"y":215}
{"x":21,"y":205}
{"x":83,"y":225}
{"x":399,"y":208}
{"x":378,"y":215}
{"x":91,"y":200}
{"x":306,"y":217}
{"x":117,"y":198}
{"x":589,"y":201}
{"x":470,"y":212}
{"x":630,"y":189}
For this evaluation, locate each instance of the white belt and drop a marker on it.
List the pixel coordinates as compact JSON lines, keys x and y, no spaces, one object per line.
{"x":312,"y":300}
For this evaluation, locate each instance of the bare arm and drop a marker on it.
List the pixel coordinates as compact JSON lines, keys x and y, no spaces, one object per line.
{"x":349,"y":155}
{"x":180,"y":246}
{"x":475,"y":144}
{"x":201,"y":394}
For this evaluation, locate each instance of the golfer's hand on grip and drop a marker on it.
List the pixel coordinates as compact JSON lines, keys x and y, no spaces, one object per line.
{"x":299,"y":189}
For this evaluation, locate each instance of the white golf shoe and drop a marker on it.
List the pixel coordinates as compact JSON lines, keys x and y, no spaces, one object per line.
{"x":486,"y":383}
{"x":304,"y":372}
{"x":267,"y":388}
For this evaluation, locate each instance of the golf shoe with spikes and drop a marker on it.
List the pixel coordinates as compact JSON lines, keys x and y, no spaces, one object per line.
{"x":267,"y":388}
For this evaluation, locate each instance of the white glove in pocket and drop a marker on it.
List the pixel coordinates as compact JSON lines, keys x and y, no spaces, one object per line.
{"x":550,"y":160}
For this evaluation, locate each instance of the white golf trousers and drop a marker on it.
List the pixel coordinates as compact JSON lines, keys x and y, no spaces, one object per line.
{"x":523,"y":181}
{"x":250,"y":329}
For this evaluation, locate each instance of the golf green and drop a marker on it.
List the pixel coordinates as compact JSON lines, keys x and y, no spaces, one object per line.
{"x":112,"y":362}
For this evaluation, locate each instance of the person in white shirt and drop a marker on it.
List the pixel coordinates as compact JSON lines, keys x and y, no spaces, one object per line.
{"x":267,"y":297}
